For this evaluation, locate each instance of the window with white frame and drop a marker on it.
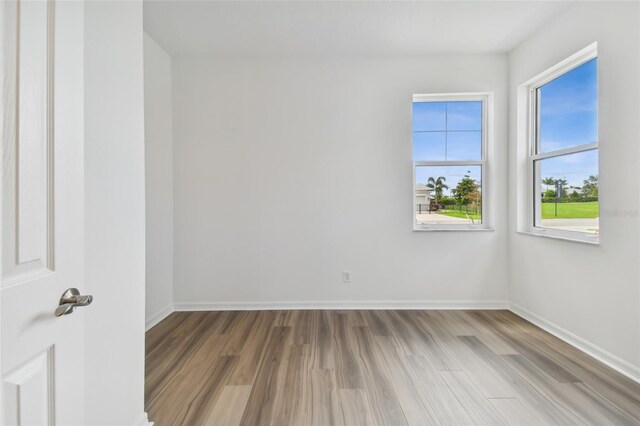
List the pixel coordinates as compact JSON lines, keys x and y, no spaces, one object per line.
{"x":449,"y":161}
{"x":563,"y":149}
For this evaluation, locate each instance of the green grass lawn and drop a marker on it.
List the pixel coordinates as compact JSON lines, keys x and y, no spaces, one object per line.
{"x":570,"y":210}
{"x":461,"y":214}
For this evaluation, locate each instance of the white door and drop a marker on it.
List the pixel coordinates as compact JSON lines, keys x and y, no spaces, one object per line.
{"x":41,"y":66}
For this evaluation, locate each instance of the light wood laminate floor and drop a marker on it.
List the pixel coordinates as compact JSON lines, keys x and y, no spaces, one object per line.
{"x":375,"y":368}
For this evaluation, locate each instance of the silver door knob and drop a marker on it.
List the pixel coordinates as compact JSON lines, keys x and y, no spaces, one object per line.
{"x":70,"y":300}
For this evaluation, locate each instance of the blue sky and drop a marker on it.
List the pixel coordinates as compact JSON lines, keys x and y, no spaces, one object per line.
{"x":570,"y":117}
{"x":452,"y":130}
{"x":447,"y":131}
{"x":570,"y":109}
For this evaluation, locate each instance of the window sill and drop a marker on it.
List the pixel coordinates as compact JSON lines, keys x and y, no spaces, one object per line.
{"x":460,"y":229}
{"x":566,"y":236}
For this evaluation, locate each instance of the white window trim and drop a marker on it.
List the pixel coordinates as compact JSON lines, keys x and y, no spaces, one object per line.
{"x":487,"y":134}
{"x":532,"y":190}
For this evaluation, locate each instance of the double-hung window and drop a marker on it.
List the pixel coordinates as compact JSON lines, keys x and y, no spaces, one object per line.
{"x":563,"y":149}
{"x":450,"y":136}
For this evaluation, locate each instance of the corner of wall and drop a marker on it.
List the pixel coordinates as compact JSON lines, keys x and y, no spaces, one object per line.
{"x":159,"y":182}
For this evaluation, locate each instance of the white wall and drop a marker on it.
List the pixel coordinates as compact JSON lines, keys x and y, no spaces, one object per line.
{"x":289,"y":171}
{"x":159,"y":181}
{"x":592,"y":292}
{"x":114,"y":212}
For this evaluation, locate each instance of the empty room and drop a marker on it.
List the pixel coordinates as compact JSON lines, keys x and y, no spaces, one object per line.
{"x":392,"y":213}
{"x":270,"y":213}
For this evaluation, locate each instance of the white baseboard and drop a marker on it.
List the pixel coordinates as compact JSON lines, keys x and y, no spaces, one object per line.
{"x":352,"y":304}
{"x":143,"y":420}
{"x":159,"y":316}
{"x":620,"y":365}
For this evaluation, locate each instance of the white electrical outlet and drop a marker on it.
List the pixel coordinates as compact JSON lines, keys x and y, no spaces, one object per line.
{"x":346,"y":276}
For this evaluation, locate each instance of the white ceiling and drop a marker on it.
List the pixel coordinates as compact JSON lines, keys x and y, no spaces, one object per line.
{"x":339,"y":27}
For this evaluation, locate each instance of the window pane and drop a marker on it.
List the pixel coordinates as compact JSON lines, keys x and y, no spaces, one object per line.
{"x":429,"y":116}
{"x":429,"y":146}
{"x":568,"y":192}
{"x":448,"y":195}
{"x":464,"y":115}
{"x":447,"y":131}
{"x":569,"y":109}
{"x":464,"y":146}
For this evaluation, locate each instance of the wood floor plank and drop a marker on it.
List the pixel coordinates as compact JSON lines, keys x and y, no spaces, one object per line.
{"x":354,"y":408}
{"x":348,"y":371}
{"x":598,"y":409}
{"x":552,"y":354}
{"x":164,"y":368}
{"x":155,"y":337}
{"x":184,"y":384}
{"x":417,"y":340}
{"x":446,"y":406}
{"x":357,"y":318}
{"x":302,"y":323}
{"x":378,"y":323}
{"x":292,"y":396}
{"x":322,"y":340}
{"x":323,"y":401}
{"x":416,"y":407}
{"x":486,"y":376}
{"x":523,"y":390}
{"x":384,"y":403}
{"x":240,"y":332}
{"x":567,"y":410}
{"x":436,"y":323}
{"x":229,"y":407}
{"x":226,"y":321}
{"x":539,"y":355}
{"x":472,"y":400}
{"x":452,"y":322}
{"x":253,"y":351}
{"x":606,"y":382}
{"x":203,"y":396}
{"x":486,"y":333}
{"x":515,"y":412}
{"x":260,"y":405}
{"x":180,"y":328}
{"x":342,"y":367}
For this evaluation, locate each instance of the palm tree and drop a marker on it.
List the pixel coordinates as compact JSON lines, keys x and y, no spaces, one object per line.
{"x":548,"y":181}
{"x":438,"y":185}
